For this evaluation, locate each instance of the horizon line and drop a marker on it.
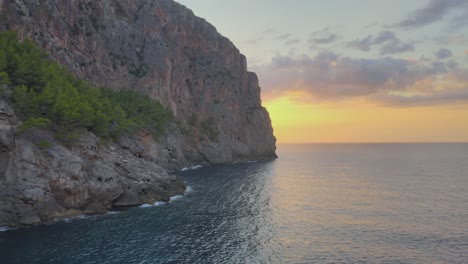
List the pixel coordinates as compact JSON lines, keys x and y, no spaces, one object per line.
{"x":380,"y":142}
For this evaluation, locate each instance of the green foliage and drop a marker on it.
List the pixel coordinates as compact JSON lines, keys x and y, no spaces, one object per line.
{"x":34,"y":123}
{"x":4,"y":78}
{"x":22,"y":61}
{"x":44,"y":144}
{"x":140,"y":71}
{"x":45,"y":95}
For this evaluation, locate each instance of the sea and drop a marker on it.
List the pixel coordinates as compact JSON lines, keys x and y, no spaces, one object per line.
{"x":317,"y":203}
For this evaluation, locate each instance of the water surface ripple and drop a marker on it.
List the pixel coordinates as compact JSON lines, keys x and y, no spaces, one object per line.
{"x":330,"y":203}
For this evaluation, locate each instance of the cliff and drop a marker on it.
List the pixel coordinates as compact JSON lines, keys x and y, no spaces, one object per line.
{"x":41,"y":183}
{"x":161,"y":49}
{"x":158,"y":48}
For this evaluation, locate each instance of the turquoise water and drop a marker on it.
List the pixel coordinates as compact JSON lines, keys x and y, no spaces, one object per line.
{"x":330,"y":203}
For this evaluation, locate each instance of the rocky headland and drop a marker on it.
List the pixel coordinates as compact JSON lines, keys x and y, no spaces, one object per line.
{"x":158,"y":48}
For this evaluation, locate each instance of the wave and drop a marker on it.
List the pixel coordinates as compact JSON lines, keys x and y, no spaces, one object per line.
{"x":175,"y":198}
{"x":5,"y":228}
{"x":74,"y":218}
{"x":196,"y":167}
{"x":188,"y":190}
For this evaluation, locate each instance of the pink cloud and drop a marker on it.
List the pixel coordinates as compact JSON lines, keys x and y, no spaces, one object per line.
{"x":329,"y":76}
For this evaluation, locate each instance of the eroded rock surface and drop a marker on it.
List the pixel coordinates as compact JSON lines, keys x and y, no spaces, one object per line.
{"x":161,"y":49}
{"x":40,"y":183}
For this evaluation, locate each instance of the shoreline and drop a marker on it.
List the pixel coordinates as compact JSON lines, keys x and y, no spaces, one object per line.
{"x":113,"y":211}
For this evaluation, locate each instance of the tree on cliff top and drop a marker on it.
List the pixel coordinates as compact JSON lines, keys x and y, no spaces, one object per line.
{"x":45,"y":91}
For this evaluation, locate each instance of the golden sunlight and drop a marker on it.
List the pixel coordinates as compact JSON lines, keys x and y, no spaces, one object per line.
{"x":361,"y":121}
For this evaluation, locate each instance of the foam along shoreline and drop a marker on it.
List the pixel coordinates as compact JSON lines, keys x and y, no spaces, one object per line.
{"x":173,"y":198}
{"x":83,"y":217}
{"x":6,"y":228}
{"x":196,"y":167}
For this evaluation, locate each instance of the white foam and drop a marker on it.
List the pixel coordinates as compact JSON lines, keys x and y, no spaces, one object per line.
{"x":4,"y":228}
{"x":197,"y":167}
{"x":185,"y":169}
{"x":112,"y":212}
{"x":176,"y":197}
{"x":159,"y":203}
{"x":188,"y":190}
{"x":252,"y":161}
{"x":70,"y":219}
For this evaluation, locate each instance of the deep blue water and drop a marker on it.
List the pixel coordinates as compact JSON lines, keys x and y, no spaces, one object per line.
{"x":330,"y":203}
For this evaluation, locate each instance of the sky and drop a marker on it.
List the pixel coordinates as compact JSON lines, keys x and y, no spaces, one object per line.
{"x":354,"y":71}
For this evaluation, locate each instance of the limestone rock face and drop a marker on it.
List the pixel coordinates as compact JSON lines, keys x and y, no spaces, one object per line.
{"x":159,"y":48}
{"x":38,"y":184}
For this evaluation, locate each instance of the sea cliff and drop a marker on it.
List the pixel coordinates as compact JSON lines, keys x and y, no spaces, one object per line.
{"x":157,"y":48}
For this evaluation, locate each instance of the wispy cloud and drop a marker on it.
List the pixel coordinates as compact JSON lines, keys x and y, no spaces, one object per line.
{"x":284,"y":36}
{"x":443,"y":54}
{"x":395,"y":47}
{"x":324,"y":40}
{"x":436,"y":98}
{"x":323,"y":36}
{"x":387,"y":40}
{"x":435,"y":11}
{"x":364,"y":44}
{"x":331,"y":76}
{"x":269,"y":31}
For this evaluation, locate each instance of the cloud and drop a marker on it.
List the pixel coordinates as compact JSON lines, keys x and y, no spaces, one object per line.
{"x":435,"y":11}
{"x":284,"y":36}
{"x":460,"y":20}
{"x":269,"y":31}
{"x":466,"y":52}
{"x":444,"y":97}
{"x":387,"y":40}
{"x":443,"y":54}
{"x":364,"y":44}
{"x":291,"y":42}
{"x":324,"y":40}
{"x":451,"y":40}
{"x":385,"y":36}
{"x":323,"y":36}
{"x":330,"y":76}
{"x":395,"y":47}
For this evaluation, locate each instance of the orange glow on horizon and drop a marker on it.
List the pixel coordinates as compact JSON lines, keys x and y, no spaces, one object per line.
{"x":359,"y":120}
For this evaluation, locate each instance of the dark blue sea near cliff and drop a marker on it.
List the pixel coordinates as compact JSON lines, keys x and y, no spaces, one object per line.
{"x":318,"y":203}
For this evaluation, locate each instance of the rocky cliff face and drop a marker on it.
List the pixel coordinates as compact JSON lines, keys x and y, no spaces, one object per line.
{"x":161,"y":49}
{"x":157,"y":47}
{"x":40,"y":182}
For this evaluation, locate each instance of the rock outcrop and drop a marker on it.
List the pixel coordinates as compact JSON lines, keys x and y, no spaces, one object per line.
{"x":159,"y":48}
{"x":40,"y":179}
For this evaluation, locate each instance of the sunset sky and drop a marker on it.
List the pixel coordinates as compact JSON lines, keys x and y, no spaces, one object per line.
{"x":354,"y":71}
